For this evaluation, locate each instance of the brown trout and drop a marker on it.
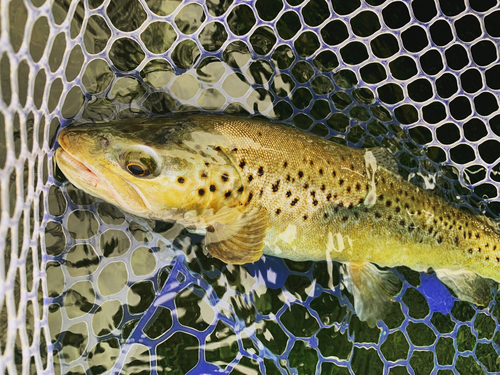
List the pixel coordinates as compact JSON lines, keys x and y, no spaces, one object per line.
{"x":265,"y":188}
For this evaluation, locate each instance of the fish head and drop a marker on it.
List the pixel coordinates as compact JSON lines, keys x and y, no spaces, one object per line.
{"x":162,"y":169}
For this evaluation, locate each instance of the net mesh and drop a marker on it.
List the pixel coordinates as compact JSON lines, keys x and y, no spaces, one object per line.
{"x":85,"y":288}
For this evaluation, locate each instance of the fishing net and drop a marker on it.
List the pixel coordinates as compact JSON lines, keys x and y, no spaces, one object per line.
{"x":86,"y":288}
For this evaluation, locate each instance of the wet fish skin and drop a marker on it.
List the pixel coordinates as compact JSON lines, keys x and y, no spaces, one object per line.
{"x":259,"y":187}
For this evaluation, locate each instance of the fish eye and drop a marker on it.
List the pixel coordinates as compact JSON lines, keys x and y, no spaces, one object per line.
{"x":137,"y":170}
{"x":141,"y":161}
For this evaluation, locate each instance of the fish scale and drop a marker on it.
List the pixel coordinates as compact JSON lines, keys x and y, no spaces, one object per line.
{"x":258,"y":187}
{"x":404,"y":216}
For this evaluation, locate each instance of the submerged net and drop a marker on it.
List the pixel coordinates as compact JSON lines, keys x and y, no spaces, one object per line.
{"x":85,"y":288}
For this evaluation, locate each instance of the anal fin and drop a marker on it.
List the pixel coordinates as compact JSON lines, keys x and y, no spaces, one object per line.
{"x":238,"y":238}
{"x":467,"y":285}
{"x":373,"y":289}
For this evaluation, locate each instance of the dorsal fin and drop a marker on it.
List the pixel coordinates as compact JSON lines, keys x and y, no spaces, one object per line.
{"x":385,"y":159}
{"x":238,"y":238}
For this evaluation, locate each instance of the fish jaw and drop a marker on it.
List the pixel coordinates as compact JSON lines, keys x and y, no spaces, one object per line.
{"x":87,"y":178}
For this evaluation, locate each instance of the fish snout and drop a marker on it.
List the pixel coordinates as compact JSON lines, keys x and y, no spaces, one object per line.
{"x":67,"y":138}
{"x":104,"y":142}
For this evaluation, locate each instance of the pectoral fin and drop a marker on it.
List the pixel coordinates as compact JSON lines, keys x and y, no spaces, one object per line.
{"x":467,"y":285}
{"x":240,"y":239}
{"x":372,"y":289}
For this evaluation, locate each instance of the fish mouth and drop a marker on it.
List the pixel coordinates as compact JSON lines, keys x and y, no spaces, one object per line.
{"x":90,"y":180}
{"x":79,"y":172}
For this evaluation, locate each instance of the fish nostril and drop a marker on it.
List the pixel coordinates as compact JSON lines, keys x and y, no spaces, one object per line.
{"x":103,"y":142}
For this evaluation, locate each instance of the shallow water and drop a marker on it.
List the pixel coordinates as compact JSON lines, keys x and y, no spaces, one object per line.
{"x":120,"y":296}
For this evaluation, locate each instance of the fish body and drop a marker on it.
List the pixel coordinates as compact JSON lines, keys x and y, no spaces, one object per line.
{"x":259,"y":187}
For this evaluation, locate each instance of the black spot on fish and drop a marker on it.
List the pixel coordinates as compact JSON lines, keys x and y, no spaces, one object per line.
{"x":321,"y":171}
{"x":242,"y":163}
{"x":207,"y":164}
{"x":477,"y":235}
{"x":361,"y":201}
{"x":389,"y":217}
{"x":260,"y":134}
{"x":350,"y":207}
{"x":305,"y":217}
{"x":261,"y":192}
{"x":411,"y":227}
{"x":323,"y":187}
{"x":250,"y":196}
{"x":497,"y":259}
{"x":377,"y":215}
{"x":224,"y":177}
{"x":306,"y":186}
{"x":210,"y":229}
{"x":227,"y":194}
{"x":402,"y":223}
{"x":456,"y":241}
{"x":212,"y":188}
{"x":218,"y":148}
{"x":278,"y":211}
{"x":276,"y":186}
{"x":381,"y":197}
{"x":388,"y":203}
{"x":419,"y":213}
{"x":328,"y":196}
{"x":334,"y":195}
{"x":345,"y":218}
{"x":260,"y":172}
{"x":325,"y":215}
{"x":440,"y":239}
{"x":336,"y":209}
{"x":341,"y":182}
{"x":397,"y":209}
{"x":470,"y":251}
{"x":341,"y":204}
{"x":407,"y":206}
{"x":250,"y":178}
{"x":204,"y":174}
{"x":311,"y":162}
{"x":487,"y":245}
{"x":487,"y":258}
{"x":285,"y":164}
{"x":348,"y":189}
{"x":358,"y":187}
{"x":294,"y":202}
{"x":301,"y":174}
{"x":315,"y":202}
{"x":235,"y":149}
{"x":313,"y":193}
{"x":201,"y":192}
{"x":288,"y":194}
{"x":240,"y":190}
{"x":288,"y":177}
{"x":334,"y":174}
{"x":181,"y":180}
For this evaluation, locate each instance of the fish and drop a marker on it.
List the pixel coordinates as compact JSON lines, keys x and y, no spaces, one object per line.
{"x":257,"y":187}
